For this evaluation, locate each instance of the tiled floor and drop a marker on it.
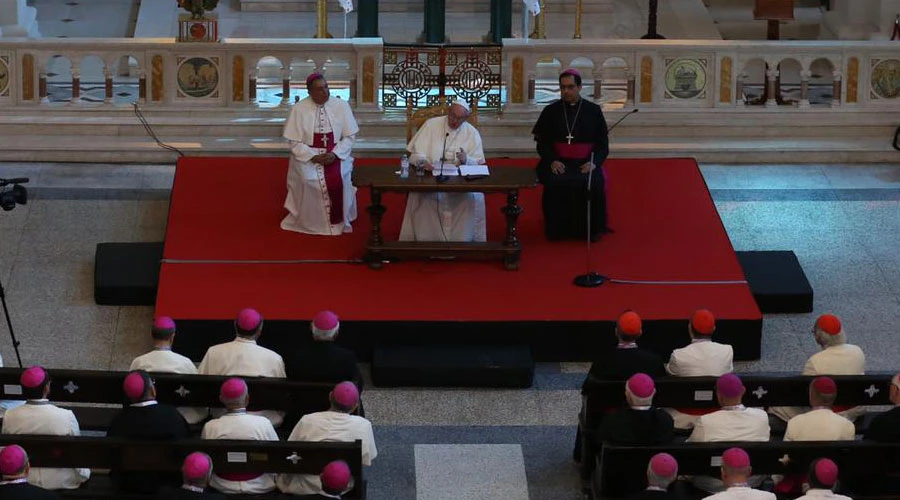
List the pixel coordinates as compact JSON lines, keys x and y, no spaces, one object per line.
{"x":843,"y":221}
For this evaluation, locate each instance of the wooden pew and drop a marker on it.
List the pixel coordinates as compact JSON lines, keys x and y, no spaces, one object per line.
{"x":228,"y":457}
{"x":620,"y":470}
{"x":105,"y":387}
{"x":699,"y":392}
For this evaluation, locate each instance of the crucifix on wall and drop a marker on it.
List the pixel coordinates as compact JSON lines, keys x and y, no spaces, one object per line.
{"x":774,"y":11}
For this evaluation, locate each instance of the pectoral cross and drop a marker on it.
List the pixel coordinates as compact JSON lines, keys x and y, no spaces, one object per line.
{"x":325,"y":140}
{"x":569,"y":138}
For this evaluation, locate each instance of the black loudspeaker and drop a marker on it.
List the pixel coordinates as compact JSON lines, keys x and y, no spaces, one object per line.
{"x":485,"y":366}
{"x":777,"y":281}
{"x":126,"y":274}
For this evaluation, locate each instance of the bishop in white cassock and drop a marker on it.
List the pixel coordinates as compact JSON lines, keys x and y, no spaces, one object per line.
{"x":445,"y":216}
{"x":321,"y":198}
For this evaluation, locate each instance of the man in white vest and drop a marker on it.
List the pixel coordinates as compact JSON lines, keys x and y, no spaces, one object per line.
{"x":821,"y":423}
{"x":38,"y":416}
{"x":321,"y":198}
{"x":441,"y":144}
{"x":163,"y":360}
{"x":243,"y":357}
{"x":236,"y":423}
{"x":736,"y":471}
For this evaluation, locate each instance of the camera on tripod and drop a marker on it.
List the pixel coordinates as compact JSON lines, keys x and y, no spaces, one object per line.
{"x":15,"y":195}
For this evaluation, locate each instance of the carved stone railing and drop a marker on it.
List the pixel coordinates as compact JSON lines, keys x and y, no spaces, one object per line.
{"x":652,"y":74}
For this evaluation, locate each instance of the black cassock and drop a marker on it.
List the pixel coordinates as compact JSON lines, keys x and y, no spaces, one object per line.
{"x":565,"y":195}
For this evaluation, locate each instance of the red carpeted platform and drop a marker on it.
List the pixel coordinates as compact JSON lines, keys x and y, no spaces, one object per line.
{"x":224,"y":250}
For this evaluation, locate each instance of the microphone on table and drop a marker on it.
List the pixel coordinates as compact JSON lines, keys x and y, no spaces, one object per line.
{"x":441,"y":178}
{"x":620,"y":120}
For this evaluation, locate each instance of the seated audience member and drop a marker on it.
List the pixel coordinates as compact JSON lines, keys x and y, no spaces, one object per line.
{"x":733,"y":422}
{"x":640,"y":423}
{"x":196,"y":472}
{"x":14,"y":467}
{"x":336,"y":424}
{"x":38,"y":416}
{"x":242,"y":357}
{"x":624,"y":361}
{"x":886,"y":426}
{"x":836,"y":357}
{"x":163,"y":360}
{"x":321,"y":361}
{"x":820,"y":424}
{"x":736,"y":472}
{"x":701,"y":358}
{"x":661,"y":473}
{"x":336,"y":480}
{"x":236,"y":423}
{"x":146,"y":420}
{"x":823,"y":476}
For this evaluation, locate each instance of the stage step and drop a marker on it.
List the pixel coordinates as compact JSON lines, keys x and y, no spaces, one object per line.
{"x":777,"y":281}
{"x":126,"y":274}
{"x":385,"y":6}
{"x":473,"y":366}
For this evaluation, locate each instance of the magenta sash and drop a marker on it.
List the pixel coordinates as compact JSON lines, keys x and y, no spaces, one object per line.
{"x":239,"y":476}
{"x":577,"y":151}
{"x":334,"y":184}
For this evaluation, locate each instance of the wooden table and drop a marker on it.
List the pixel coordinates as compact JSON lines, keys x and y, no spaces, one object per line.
{"x":502,"y":180}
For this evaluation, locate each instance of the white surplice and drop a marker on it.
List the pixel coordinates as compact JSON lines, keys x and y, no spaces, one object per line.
{"x":40,"y":417}
{"x":307,"y":197}
{"x":165,"y":361}
{"x":444,"y":216}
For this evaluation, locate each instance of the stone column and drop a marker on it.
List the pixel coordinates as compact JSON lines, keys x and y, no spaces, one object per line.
{"x":739,"y":90}
{"x":18,"y":20}
{"x":804,"y":88}
{"x":501,"y":21}
{"x":629,"y":93}
{"x":286,"y":86}
{"x":251,"y":89}
{"x":367,"y":19}
{"x":108,"y":85}
{"x":836,"y":88}
{"x":771,"y":88}
{"x":435,"y":14}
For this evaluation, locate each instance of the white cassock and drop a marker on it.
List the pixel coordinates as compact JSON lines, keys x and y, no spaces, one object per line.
{"x":700,"y":358}
{"x":731,"y":423}
{"x":444,"y":216}
{"x":843,"y":359}
{"x":820,"y":425}
{"x":327,"y":426}
{"x":38,"y":416}
{"x":241,"y":425}
{"x":320,"y":199}
{"x":165,"y":361}
{"x":822,"y":494}
{"x":742,"y":493}
{"x":244,"y":358}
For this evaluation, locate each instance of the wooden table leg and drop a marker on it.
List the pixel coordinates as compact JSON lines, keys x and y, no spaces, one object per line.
{"x":376,"y":212}
{"x":512,"y":210}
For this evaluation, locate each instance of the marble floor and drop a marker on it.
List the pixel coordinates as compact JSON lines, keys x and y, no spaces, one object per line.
{"x":843,"y":221}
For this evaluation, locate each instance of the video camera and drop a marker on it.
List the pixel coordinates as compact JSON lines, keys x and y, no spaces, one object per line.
{"x":15,"y":195}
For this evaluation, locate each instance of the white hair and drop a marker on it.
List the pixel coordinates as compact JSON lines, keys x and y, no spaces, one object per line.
{"x":828,"y":340}
{"x":324,"y":334}
{"x":636,"y":401}
{"x":463,"y":104}
{"x":895,"y":380}
{"x":654,"y":479}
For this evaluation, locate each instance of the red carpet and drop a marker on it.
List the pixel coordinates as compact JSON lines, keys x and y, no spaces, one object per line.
{"x":229,"y":209}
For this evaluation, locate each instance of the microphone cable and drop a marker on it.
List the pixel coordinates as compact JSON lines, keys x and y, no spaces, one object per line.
{"x":151,"y":133}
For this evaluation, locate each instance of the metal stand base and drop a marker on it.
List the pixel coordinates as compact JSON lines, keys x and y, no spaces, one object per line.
{"x":590,"y":280}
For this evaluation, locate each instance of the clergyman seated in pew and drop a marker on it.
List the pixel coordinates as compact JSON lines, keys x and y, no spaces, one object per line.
{"x":196,"y":472}
{"x":14,"y":467}
{"x":236,"y":423}
{"x":163,"y":360}
{"x":336,"y":424}
{"x":823,"y":476}
{"x":640,"y":423}
{"x":822,"y":423}
{"x":147,"y":420}
{"x":38,"y":416}
{"x":661,"y":473}
{"x":336,"y":480}
{"x":736,"y":471}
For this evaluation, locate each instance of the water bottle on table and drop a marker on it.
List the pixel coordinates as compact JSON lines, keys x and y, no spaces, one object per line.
{"x":404,"y":167}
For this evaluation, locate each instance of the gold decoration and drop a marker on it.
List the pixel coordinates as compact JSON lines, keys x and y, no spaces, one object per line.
{"x":646,"y":79}
{"x":28,"y":77}
{"x":518,"y":80}
{"x":540,"y":29}
{"x":852,"y":79}
{"x":577,"y":35}
{"x":368,"y":80}
{"x":237,"y":79}
{"x":322,"y":20}
{"x":725,"y":81}
{"x":156,"y":78}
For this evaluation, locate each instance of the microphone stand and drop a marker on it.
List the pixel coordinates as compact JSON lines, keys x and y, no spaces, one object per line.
{"x":592,"y":279}
{"x":441,"y":178}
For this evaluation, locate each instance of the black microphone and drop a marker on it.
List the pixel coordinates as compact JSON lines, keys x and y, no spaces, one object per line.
{"x":620,"y":120}
{"x":441,"y":178}
{"x":17,"y":180}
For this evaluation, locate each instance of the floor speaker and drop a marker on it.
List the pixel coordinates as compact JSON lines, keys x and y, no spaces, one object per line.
{"x":473,"y":366}
{"x":126,"y":274}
